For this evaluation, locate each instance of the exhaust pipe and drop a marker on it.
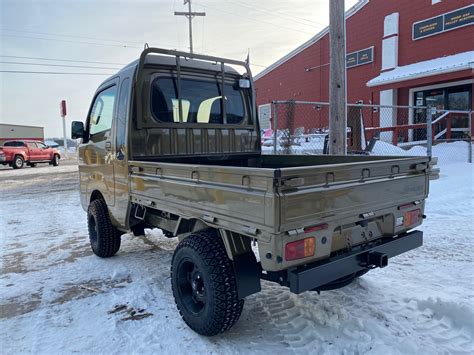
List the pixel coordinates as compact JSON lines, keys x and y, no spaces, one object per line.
{"x":377,"y":259}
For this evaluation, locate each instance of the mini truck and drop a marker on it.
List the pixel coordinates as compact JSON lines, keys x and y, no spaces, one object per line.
{"x":172,"y":141}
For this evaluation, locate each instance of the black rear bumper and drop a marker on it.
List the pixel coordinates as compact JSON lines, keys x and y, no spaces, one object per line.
{"x":318,"y":274}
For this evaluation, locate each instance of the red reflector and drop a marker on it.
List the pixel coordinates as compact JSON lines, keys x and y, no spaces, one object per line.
{"x":315,"y":228}
{"x":411,"y":217}
{"x":408,"y":205}
{"x":299,"y":249}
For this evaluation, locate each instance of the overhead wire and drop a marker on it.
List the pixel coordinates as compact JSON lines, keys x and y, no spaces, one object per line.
{"x":50,"y":72}
{"x":59,"y":60}
{"x":58,"y":65}
{"x":261,"y":21}
{"x":277,"y":14}
{"x":69,"y":41}
{"x":68,"y":35}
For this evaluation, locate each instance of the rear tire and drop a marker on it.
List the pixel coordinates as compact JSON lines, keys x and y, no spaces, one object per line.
{"x":55,"y":161}
{"x":18,"y":162}
{"x":204,"y":284}
{"x":103,"y":236}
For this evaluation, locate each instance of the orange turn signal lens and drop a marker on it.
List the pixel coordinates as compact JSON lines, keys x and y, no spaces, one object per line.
{"x":299,"y":249}
{"x":411,"y":217}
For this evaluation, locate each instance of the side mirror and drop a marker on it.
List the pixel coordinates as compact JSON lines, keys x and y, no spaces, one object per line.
{"x":244,"y":83}
{"x":77,"y":129}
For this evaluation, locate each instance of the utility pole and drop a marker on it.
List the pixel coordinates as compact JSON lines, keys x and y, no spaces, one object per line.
{"x":337,"y":73}
{"x":189,"y":15}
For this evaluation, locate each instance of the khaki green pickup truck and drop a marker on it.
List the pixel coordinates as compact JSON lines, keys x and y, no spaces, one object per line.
{"x":172,"y":141}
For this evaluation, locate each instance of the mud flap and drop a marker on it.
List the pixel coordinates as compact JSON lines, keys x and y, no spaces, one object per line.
{"x":247,"y":274}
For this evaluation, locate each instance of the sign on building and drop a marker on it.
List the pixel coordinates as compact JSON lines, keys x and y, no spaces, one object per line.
{"x":264,"y":116}
{"x":442,"y":23}
{"x":360,"y":57}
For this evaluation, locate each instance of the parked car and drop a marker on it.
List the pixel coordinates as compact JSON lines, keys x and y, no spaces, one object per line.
{"x":161,"y":148}
{"x":18,"y":153}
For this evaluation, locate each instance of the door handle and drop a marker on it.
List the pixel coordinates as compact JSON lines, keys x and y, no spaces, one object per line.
{"x":108,"y":146}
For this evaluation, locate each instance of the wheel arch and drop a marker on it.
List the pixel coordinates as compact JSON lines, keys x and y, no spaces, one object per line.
{"x":21,"y":154}
{"x":96,"y":195}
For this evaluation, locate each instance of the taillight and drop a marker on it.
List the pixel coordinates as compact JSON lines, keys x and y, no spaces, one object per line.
{"x":403,"y":207}
{"x":315,"y":228}
{"x":411,"y":217}
{"x":299,"y":249}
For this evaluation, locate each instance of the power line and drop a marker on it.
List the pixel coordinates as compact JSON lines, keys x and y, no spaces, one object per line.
{"x":283,"y":16}
{"x":119,"y":43}
{"x":72,"y":36}
{"x":70,"y":41}
{"x":260,"y":21}
{"x":77,"y":61}
{"x":258,"y":65}
{"x":58,"y":65}
{"x":50,"y":72}
{"x":60,"y":60}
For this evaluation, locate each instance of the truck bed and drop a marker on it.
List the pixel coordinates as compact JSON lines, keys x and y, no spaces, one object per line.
{"x":280,"y":193}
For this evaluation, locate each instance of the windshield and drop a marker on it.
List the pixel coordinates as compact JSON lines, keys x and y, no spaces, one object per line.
{"x":201,"y":101}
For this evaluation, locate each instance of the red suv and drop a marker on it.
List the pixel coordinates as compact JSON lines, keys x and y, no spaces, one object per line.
{"x":19,"y":153}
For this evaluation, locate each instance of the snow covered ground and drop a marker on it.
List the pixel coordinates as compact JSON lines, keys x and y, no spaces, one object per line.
{"x":446,"y":152}
{"x":56,"y":297}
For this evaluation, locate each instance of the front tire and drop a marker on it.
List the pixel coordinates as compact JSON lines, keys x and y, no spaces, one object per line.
{"x":18,"y":162}
{"x":55,"y":161}
{"x":204,"y":284}
{"x":103,"y":236}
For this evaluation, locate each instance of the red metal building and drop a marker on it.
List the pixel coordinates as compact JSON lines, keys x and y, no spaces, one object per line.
{"x":399,"y":52}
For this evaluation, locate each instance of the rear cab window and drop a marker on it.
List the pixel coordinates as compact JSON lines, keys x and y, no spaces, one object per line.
{"x":201,"y":100}
{"x":14,"y":144}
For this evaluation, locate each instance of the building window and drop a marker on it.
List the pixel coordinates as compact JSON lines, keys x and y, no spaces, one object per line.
{"x":455,"y":98}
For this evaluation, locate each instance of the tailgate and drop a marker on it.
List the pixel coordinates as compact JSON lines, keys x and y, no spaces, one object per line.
{"x":310,"y":194}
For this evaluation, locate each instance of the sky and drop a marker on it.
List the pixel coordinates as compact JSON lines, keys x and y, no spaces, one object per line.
{"x":109,"y":31}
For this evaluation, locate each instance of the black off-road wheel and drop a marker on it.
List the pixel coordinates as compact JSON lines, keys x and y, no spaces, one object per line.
{"x":18,"y":162}
{"x":204,"y":285}
{"x":55,"y":160}
{"x":103,"y":236}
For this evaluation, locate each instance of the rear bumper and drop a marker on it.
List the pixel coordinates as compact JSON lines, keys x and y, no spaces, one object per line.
{"x":318,"y":274}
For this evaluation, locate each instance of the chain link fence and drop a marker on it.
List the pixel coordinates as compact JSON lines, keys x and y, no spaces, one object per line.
{"x":302,"y":127}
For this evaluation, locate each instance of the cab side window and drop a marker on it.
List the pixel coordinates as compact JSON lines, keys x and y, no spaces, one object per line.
{"x":31,"y":145}
{"x":100,"y":119}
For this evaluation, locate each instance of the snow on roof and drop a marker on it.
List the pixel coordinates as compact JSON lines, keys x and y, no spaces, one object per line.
{"x":310,"y":42}
{"x":449,"y":64}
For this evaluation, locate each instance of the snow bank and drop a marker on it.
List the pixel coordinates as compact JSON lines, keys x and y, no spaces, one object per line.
{"x":447,"y":153}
